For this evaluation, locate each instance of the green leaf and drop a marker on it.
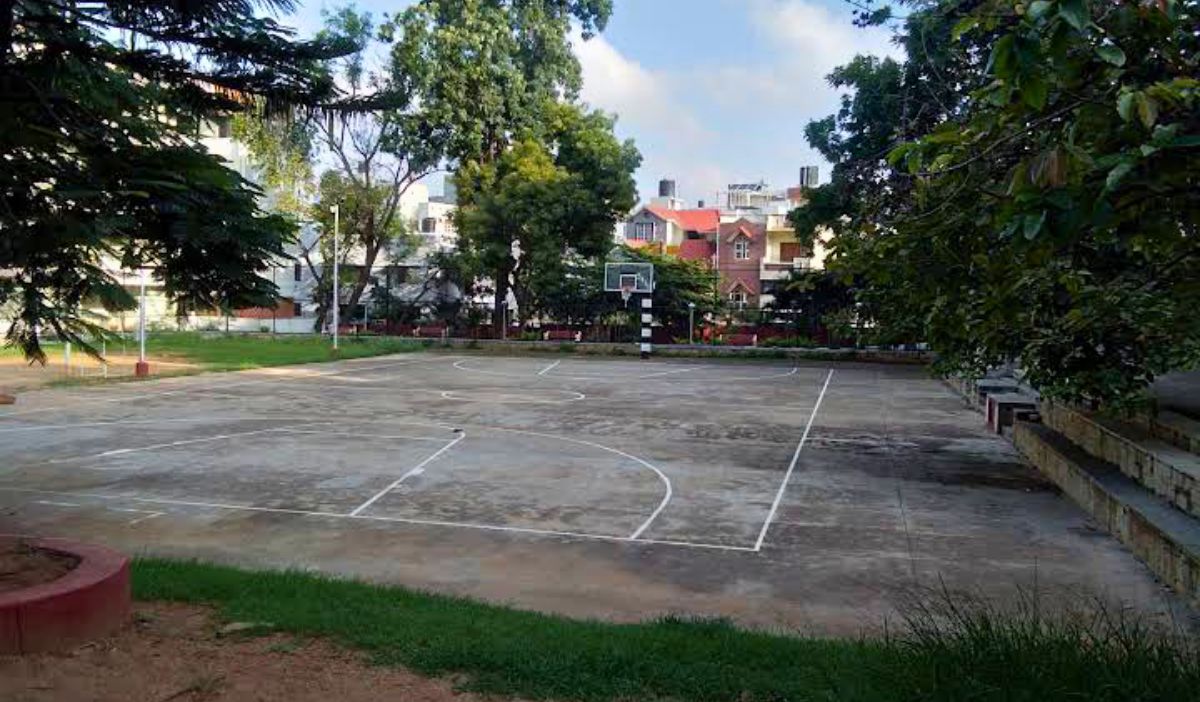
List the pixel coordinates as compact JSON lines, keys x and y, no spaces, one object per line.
{"x":1038,"y":9}
{"x":1033,"y":224}
{"x":1147,"y":109}
{"x":896,"y":155}
{"x":963,"y":26}
{"x":1125,"y":105}
{"x":1075,"y":13}
{"x":1034,"y":91}
{"x":1112,"y":54}
{"x":1001,"y":61}
{"x":1117,"y":174}
{"x":1186,"y":141}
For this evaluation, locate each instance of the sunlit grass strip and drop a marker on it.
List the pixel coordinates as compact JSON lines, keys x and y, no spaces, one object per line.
{"x":946,"y":651}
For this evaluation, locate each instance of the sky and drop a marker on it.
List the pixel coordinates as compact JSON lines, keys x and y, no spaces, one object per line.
{"x":712,"y":92}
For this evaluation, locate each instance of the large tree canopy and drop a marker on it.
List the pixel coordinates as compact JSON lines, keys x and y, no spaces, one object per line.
{"x":1024,"y":187}
{"x":485,"y":73}
{"x":100,"y":101}
{"x":484,"y":69}
{"x":524,"y":216}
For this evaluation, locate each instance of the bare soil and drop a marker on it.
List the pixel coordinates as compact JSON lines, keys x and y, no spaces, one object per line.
{"x":22,"y":565}
{"x":18,"y":375}
{"x":178,"y":653}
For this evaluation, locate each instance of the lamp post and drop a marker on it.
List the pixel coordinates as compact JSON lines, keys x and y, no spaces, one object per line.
{"x":691,"y":322}
{"x":141,"y":369}
{"x":337,"y":302}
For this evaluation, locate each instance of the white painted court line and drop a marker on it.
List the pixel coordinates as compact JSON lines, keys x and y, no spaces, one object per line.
{"x":666,"y":498}
{"x":396,"y":520}
{"x":672,"y":372}
{"x":641,"y":529}
{"x":461,"y":365}
{"x":55,"y":504}
{"x":359,"y":435}
{"x":152,"y":447}
{"x":550,"y":367}
{"x":415,"y":470}
{"x":762,"y":534}
{"x":509,"y":398}
{"x":146,"y":514}
{"x":273,"y":377}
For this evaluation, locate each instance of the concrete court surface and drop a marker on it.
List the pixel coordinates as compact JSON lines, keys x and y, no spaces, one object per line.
{"x":810,"y":497}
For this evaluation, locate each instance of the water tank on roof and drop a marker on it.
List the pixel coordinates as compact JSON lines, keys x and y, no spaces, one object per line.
{"x":666,"y":188}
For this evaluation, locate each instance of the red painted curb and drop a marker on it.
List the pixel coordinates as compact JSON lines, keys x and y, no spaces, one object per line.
{"x":88,"y":602}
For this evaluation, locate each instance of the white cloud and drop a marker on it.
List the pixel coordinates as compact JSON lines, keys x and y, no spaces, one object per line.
{"x":810,"y":40}
{"x":720,"y":122}
{"x":642,"y":98}
{"x":650,"y":109}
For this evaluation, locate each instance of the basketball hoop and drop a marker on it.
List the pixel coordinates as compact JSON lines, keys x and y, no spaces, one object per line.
{"x":628,"y":278}
{"x":628,"y":285}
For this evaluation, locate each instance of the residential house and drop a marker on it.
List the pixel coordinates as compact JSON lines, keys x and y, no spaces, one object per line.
{"x":740,"y":252}
{"x":667,"y":229}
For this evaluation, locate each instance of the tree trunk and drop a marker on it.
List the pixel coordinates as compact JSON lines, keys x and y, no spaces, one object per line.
{"x":364,"y":277}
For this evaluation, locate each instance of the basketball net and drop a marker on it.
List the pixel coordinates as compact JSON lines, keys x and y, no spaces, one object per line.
{"x":626,"y":293}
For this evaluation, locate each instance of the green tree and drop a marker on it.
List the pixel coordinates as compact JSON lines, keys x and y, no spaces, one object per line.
{"x":1051,"y":214}
{"x":484,"y":72}
{"x":677,"y":283}
{"x":378,"y":150}
{"x":578,"y":296}
{"x":101,"y":101}
{"x":812,"y":299}
{"x":544,"y":201}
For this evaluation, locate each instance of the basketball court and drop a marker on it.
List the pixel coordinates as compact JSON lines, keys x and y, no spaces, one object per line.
{"x":780,"y":494}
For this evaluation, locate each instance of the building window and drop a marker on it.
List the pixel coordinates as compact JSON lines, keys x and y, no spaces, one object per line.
{"x":297,"y":310}
{"x":643,"y":231}
{"x":429,"y":225}
{"x":297,"y":272}
{"x":737,"y":299}
{"x":741,"y":248}
{"x":790,"y":250}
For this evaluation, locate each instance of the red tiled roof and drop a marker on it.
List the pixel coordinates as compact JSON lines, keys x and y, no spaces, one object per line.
{"x":704,"y":221}
{"x":696,"y":250}
{"x":751,"y":230}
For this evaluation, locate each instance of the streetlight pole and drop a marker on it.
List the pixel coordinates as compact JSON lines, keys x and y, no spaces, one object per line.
{"x":142,"y":368}
{"x":337,"y":302}
{"x":691,"y":322}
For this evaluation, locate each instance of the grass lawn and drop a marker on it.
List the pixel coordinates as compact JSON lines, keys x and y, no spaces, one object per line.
{"x":241,"y":351}
{"x":968,"y":654}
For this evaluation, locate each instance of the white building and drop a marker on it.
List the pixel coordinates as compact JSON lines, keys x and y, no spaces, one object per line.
{"x":293,"y":274}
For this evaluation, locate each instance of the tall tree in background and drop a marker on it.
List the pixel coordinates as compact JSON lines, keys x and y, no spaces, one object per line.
{"x":378,"y":151}
{"x":543,"y":202}
{"x":99,"y":102}
{"x":484,"y":72}
{"x":1050,"y":213}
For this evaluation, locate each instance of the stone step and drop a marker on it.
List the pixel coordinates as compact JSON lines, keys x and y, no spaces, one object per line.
{"x":1163,"y":468}
{"x":1177,"y":429}
{"x":1164,"y":538}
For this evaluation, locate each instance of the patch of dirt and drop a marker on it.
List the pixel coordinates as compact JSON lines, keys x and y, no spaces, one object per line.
{"x":18,"y":375}
{"x":22,"y":565}
{"x":179,"y":653}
